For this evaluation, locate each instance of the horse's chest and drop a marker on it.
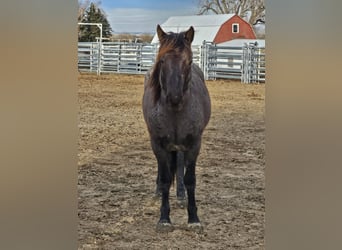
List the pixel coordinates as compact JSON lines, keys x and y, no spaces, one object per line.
{"x":176,"y":134}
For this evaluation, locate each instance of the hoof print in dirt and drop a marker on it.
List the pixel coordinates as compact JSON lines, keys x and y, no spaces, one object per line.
{"x":164,"y":227}
{"x":195,"y":227}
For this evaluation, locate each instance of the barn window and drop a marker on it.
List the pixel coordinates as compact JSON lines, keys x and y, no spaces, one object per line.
{"x":235,"y":28}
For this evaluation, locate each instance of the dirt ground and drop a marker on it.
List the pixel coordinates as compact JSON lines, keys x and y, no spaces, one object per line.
{"x":117,"y":170}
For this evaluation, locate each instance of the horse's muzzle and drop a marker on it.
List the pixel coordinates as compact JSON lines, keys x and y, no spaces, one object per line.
{"x":174,"y":100}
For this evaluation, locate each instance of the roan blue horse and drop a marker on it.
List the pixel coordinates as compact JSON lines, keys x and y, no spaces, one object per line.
{"x":176,"y":107}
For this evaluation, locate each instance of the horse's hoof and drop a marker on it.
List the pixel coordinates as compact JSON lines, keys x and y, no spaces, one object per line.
{"x":182,"y":202}
{"x":195,"y":227}
{"x":164,"y":227}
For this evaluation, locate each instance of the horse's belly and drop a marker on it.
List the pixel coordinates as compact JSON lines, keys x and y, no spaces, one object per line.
{"x":179,"y":141}
{"x":176,"y":147}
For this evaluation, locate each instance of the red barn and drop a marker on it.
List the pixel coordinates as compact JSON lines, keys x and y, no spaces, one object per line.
{"x":210,"y":28}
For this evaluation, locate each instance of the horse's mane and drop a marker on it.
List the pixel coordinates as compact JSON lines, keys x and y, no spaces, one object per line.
{"x":171,"y":42}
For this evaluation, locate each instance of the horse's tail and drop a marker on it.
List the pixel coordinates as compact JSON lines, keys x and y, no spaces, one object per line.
{"x":173,"y":168}
{"x":177,"y":164}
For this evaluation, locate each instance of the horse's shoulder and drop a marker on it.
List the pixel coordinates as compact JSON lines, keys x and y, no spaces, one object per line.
{"x":147,"y":77}
{"x":196,"y":71}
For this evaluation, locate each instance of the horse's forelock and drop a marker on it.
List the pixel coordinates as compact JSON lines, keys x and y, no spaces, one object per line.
{"x":172,"y":42}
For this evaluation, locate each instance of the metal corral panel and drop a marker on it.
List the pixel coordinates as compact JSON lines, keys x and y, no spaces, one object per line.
{"x":246,"y":63}
{"x":88,"y":56}
{"x":224,"y":62}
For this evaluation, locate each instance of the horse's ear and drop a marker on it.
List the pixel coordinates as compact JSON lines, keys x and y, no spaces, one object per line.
{"x":189,"y":34}
{"x":160,"y":32}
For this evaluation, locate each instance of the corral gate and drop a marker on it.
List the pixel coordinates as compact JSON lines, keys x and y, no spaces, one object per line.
{"x":253,"y":66}
{"x":245,"y":63}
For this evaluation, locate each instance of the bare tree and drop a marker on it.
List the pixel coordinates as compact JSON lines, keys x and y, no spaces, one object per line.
{"x":250,"y":10}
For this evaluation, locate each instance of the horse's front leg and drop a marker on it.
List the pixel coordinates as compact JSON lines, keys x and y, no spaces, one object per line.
{"x":158,"y":192}
{"x":190,"y":184}
{"x":164,"y":183}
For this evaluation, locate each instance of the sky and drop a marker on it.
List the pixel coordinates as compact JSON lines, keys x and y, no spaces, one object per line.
{"x":144,"y":15}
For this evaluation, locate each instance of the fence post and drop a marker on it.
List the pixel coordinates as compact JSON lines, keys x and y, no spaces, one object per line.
{"x":249,"y":66}
{"x":140,"y":46}
{"x":244,"y":76}
{"x":202,"y":59}
{"x":99,"y":58}
{"x":253,"y":66}
{"x":91,"y":57}
{"x":119,"y":58}
{"x":205,"y":50}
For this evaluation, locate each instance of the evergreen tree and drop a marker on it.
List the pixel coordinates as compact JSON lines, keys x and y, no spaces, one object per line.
{"x":88,"y":33}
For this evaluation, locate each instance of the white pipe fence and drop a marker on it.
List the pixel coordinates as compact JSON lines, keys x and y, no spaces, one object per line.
{"x":245,"y":63}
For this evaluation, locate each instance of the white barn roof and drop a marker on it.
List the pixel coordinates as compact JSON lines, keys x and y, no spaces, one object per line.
{"x":206,"y":27}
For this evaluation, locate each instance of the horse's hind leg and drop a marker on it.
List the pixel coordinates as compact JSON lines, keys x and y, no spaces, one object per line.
{"x":181,"y":200}
{"x":158,"y":192}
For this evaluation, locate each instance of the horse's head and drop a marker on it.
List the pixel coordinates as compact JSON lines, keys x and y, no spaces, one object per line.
{"x":174,"y":65}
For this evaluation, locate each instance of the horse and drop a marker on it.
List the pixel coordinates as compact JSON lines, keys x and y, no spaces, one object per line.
{"x":176,"y":107}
